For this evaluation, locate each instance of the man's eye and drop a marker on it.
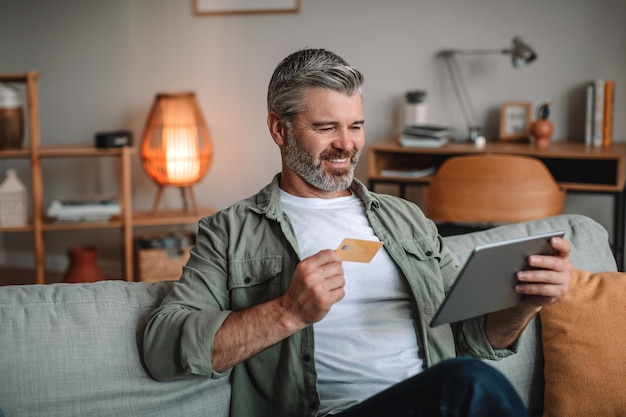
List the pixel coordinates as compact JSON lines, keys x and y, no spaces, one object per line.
{"x":356,"y":127}
{"x":325,"y":129}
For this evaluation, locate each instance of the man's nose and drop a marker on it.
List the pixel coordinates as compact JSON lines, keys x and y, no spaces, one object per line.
{"x":343,"y":140}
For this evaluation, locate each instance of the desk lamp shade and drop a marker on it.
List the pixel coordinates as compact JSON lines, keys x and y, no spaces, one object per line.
{"x":176,"y":147}
{"x":521,"y":53}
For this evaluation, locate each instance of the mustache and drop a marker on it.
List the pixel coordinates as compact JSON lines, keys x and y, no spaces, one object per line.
{"x":339,"y":154}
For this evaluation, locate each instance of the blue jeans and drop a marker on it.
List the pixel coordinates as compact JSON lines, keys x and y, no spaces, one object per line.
{"x":456,"y":387}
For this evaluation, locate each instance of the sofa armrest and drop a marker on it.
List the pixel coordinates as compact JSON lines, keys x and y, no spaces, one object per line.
{"x":591,"y":250}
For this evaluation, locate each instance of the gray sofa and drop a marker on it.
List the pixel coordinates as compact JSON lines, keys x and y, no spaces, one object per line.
{"x":74,"y":349}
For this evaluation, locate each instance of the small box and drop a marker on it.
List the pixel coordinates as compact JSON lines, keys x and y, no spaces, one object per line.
{"x":116,"y":139}
{"x":161,"y":257}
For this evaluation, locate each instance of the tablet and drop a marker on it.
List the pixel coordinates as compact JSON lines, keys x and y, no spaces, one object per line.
{"x":487,"y":280}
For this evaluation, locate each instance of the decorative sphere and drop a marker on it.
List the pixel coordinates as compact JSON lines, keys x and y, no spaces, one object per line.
{"x":541,"y":130}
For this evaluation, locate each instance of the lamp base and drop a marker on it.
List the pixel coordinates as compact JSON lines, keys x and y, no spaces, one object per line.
{"x":185,"y":192}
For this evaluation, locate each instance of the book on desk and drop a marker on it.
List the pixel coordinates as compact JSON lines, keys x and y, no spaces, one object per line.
{"x":424,"y":136}
{"x":600,"y":100}
{"x":408,"y":172}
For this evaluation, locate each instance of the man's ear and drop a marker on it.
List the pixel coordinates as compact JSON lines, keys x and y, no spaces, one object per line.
{"x":277,"y":128}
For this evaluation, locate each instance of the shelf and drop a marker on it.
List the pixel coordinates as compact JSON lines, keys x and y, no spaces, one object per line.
{"x":63,"y":152}
{"x":52,"y":225}
{"x":161,"y":218}
{"x":15,"y":153}
{"x":18,"y":78}
{"x":140,"y":218}
{"x":27,"y":228}
{"x":73,"y":152}
{"x":40,"y":224}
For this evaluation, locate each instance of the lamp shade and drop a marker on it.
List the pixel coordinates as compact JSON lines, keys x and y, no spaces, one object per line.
{"x":521,"y":53}
{"x":176,"y":147}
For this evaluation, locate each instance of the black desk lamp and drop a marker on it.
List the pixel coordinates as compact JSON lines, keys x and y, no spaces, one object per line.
{"x":521,"y":55}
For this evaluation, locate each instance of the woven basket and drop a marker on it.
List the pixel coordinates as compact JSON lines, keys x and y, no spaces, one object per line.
{"x":154,"y":265}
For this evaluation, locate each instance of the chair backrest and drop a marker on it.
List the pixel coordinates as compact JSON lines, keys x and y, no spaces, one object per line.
{"x":492,"y":189}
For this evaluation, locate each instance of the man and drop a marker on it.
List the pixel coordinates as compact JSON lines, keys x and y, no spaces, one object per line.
{"x":265,"y":295}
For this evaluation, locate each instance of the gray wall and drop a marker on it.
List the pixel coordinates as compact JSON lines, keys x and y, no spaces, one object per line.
{"x":102,"y":62}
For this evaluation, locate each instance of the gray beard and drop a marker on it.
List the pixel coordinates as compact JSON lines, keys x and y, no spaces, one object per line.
{"x":306,"y":166}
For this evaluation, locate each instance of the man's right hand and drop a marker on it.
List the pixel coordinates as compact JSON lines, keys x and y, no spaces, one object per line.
{"x":316,"y":285}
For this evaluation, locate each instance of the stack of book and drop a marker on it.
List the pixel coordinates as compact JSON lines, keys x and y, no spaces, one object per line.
{"x":84,"y":208}
{"x":599,"y":112}
{"x":408,"y":172}
{"x":425,"y":136}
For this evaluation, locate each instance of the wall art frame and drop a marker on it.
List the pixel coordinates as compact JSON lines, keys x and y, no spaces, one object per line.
{"x":515,"y":120}
{"x":233,"y":7}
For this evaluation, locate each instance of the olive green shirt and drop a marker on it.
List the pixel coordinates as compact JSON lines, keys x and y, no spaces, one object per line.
{"x":246,"y":254}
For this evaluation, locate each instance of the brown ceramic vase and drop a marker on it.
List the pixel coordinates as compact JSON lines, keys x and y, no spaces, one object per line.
{"x":83,"y":265}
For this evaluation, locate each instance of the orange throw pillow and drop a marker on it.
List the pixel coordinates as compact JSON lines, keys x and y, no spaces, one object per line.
{"x":584,"y":347}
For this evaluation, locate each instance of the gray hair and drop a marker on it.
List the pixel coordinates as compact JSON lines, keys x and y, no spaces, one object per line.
{"x":317,"y":68}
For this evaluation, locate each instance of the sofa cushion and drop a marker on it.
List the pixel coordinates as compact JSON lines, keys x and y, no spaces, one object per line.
{"x":584,"y":347}
{"x":74,"y":350}
{"x":590,"y":251}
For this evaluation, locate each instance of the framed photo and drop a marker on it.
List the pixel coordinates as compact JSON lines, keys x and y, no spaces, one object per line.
{"x":225,"y":7}
{"x":515,"y":120}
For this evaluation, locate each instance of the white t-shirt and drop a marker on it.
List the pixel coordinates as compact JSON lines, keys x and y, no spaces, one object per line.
{"x":367,"y":342}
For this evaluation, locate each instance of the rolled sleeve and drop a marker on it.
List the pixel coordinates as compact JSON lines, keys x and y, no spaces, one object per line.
{"x":179,"y":335}
{"x":472,"y":340}
{"x":179,"y":343}
{"x":196,"y":342}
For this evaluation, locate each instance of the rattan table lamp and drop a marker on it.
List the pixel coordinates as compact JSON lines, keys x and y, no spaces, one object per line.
{"x":176,"y":147}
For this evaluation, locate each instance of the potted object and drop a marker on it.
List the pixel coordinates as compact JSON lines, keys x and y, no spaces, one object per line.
{"x":13,"y":210}
{"x":83,"y":265}
{"x":11,"y":118}
{"x":542,"y":128}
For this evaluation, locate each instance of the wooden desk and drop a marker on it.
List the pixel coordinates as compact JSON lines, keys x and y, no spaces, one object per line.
{"x":576,"y":167}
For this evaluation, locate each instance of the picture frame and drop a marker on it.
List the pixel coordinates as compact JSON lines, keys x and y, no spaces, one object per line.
{"x":515,"y":118}
{"x":232,"y":7}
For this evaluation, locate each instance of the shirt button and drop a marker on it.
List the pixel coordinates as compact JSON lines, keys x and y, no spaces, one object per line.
{"x":306,"y":358}
{"x":428,"y":253}
{"x":247,"y":280}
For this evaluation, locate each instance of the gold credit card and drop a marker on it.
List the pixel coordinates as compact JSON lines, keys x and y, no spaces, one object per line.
{"x":357,"y":250}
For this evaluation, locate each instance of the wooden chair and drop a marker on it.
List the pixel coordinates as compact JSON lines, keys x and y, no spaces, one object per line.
{"x":479,"y":191}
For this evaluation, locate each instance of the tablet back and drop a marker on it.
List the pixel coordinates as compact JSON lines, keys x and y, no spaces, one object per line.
{"x":487,"y":280}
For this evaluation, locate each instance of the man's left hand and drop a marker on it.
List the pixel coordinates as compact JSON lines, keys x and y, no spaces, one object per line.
{"x":550,"y":281}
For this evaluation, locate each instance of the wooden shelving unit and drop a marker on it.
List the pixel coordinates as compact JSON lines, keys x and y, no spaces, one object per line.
{"x":39,"y":223}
